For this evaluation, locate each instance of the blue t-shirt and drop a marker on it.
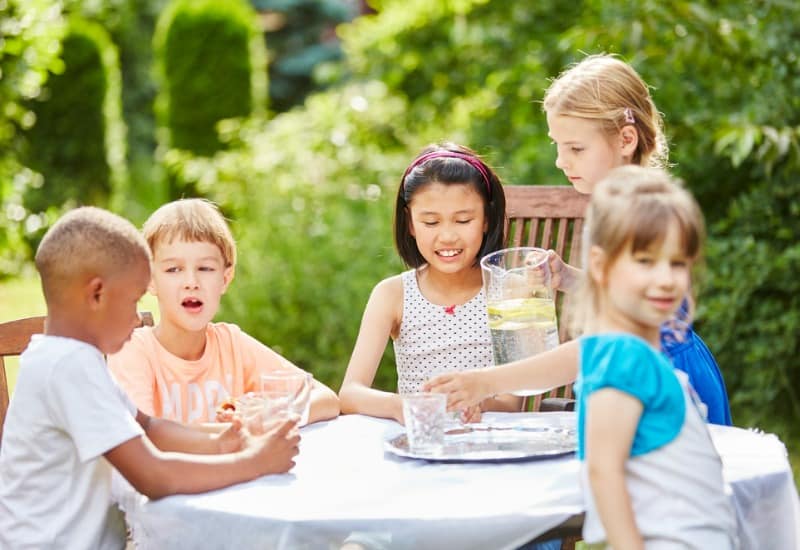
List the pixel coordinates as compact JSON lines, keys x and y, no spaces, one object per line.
{"x":675,"y":505}
{"x":689,"y":353}
{"x":629,"y":364}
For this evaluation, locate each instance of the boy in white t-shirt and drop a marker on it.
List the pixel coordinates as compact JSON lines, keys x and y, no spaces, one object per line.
{"x":69,"y":423}
{"x":187,"y":367}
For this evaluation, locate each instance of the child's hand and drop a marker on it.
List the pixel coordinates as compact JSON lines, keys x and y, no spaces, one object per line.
{"x":537,"y":274}
{"x":471,"y":415}
{"x":464,"y":389}
{"x":559,"y":272}
{"x":233,"y":438}
{"x":226,"y":411}
{"x":275,"y":449}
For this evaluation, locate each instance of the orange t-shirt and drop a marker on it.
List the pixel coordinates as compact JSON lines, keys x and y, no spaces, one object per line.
{"x":166,"y":386}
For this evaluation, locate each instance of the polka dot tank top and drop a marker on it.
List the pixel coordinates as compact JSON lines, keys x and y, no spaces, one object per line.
{"x":435,"y":339}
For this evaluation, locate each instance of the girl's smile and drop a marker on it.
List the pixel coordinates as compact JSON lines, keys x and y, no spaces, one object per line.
{"x":448,"y":224}
{"x":643,"y":288}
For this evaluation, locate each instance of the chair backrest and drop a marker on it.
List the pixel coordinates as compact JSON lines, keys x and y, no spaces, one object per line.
{"x":14,"y":338}
{"x":547,"y":216}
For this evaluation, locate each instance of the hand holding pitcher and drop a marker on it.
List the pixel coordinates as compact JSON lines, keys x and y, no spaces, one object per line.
{"x":520,"y":302}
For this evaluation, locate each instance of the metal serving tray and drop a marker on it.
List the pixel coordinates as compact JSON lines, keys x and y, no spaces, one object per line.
{"x":486,"y":443}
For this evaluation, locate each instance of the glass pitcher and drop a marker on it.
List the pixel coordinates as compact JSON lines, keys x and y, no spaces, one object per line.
{"x":521,"y":304}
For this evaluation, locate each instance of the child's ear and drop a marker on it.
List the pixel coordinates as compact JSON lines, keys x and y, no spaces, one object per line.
{"x":151,"y":286}
{"x":630,"y":140}
{"x":93,"y":292}
{"x":227,"y":277}
{"x":597,"y":265}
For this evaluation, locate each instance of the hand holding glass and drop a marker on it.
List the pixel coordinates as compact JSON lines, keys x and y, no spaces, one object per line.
{"x":288,"y":391}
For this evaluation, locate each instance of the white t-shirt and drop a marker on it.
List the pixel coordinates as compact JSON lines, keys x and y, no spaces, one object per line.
{"x":66,"y":412}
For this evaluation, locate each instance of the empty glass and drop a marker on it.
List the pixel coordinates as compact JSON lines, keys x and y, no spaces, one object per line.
{"x":288,"y":391}
{"x":424,"y":415}
{"x":251,"y":408}
{"x":521,"y":305}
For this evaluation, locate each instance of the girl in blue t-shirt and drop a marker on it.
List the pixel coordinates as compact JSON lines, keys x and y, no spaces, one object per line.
{"x":638,"y":420}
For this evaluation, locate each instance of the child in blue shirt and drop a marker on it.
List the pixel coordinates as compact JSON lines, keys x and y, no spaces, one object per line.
{"x":638,"y":420}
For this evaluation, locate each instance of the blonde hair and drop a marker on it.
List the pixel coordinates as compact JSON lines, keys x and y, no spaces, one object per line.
{"x":632,"y":209}
{"x":87,"y":241}
{"x":191,"y":220}
{"x":609,"y":91}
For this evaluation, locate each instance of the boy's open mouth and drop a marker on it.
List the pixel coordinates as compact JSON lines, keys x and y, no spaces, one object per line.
{"x":192,"y":303}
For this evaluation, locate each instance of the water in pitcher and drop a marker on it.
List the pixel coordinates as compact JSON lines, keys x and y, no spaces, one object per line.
{"x":522,"y":327}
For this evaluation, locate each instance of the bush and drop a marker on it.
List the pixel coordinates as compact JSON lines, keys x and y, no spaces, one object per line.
{"x":300,"y":37}
{"x":128,"y":21}
{"x":504,"y":51}
{"x":211,"y":67}
{"x":77,"y":142}
{"x":313,"y":221}
{"x":753,"y":292}
{"x":29,"y":52}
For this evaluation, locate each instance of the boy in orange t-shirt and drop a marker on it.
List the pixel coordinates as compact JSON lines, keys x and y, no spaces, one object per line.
{"x":185,"y":367}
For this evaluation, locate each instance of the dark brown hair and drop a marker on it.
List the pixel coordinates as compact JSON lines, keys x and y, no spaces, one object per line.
{"x":450,"y":170}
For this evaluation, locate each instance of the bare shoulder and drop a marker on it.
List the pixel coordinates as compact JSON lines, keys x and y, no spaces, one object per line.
{"x":390,"y":287}
{"x":386,"y":302}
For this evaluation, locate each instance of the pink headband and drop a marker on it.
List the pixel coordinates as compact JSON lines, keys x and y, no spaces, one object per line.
{"x":474,"y":162}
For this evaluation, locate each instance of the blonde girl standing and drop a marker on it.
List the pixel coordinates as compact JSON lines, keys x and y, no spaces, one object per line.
{"x":600,"y":115}
{"x":449,"y":212}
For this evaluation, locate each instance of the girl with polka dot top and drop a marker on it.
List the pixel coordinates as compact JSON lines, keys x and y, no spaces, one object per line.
{"x":450,"y":212}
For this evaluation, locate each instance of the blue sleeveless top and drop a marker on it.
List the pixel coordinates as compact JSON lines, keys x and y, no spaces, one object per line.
{"x":689,"y":353}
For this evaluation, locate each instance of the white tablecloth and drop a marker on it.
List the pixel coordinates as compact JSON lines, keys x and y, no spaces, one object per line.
{"x":346,"y":488}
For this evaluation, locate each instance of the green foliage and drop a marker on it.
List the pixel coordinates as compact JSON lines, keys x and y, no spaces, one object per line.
{"x":129,"y":22}
{"x":208,"y":54}
{"x":753,"y":293}
{"x":29,"y":51}
{"x":77,"y":143}
{"x":313,"y":222}
{"x":300,"y":38}
{"x":504,"y":53}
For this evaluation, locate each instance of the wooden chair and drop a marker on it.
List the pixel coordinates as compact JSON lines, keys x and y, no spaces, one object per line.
{"x":548,"y":217}
{"x":14,"y":338}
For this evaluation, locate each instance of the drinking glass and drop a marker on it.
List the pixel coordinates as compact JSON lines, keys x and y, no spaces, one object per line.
{"x":288,"y":391}
{"x":252,"y":410}
{"x":424,"y":415}
{"x":521,"y":305}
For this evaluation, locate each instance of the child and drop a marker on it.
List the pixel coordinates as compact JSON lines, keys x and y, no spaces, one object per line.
{"x":600,"y":115}
{"x":450,"y":211}
{"x":69,"y":423}
{"x":638,"y":426}
{"x":184,"y":368}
